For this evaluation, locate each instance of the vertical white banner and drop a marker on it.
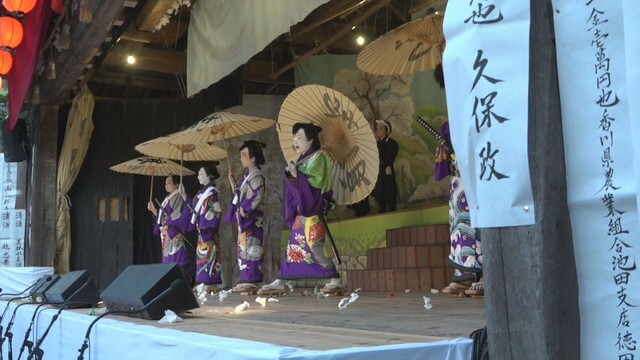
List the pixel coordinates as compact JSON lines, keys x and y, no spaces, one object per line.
{"x":486,"y":67}
{"x":599,"y":141}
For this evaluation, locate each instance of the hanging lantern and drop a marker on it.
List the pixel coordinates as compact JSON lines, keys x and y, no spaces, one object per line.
{"x":6,"y":62}
{"x":21,"y":6}
{"x":11,"y":32}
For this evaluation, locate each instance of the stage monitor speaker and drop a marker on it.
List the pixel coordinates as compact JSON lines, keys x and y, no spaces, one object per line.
{"x":137,"y":285}
{"x":38,"y":290}
{"x":15,"y":144}
{"x":70,"y":287}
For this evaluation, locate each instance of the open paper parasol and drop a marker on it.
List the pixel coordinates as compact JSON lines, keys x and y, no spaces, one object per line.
{"x":346,"y":137}
{"x":413,"y":47}
{"x":220,"y":125}
{"x":163,"y":147}
{"x":151,"y":167}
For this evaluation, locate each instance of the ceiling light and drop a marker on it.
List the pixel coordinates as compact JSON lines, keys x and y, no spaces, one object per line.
{"x":131,"y":59}
{"x":360,"y":40}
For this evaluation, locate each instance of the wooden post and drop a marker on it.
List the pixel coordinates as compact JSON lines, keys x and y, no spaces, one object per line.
{"x":40,"y":247}
{"x":530,"y":275}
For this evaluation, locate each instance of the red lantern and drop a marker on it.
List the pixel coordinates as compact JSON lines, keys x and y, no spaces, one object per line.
{"x":10,"y":32}
{"x":22,"y":6}
{"x":6,"y":61}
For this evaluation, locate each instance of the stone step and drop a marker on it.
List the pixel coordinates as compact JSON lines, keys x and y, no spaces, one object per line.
{"x":402,"y":257}
{"x":414,"y":279}
{"x":418,"y":236}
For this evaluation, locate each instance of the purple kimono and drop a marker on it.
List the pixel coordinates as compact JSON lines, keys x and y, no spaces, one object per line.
{"x":304,"y":201}
{"x":250,"y":249}
{"x":168,"y":226}
{"x":466,"y":247}
{"x":206,"y":220}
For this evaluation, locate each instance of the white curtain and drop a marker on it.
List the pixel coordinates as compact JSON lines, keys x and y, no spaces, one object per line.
{"x":74,"y":149}
{"x":224,"y":34}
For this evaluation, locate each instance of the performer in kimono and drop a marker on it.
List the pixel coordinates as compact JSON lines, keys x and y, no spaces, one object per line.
{"x":204,"y":215}
{"x":466,"y":247}
{"x":247,"y":210}
{"x":308,"y":185}
{"x":167,"y":225}
{"x":386,"y":188}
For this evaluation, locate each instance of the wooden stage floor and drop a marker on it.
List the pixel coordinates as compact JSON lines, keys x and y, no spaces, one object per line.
{"x":313,"y":323}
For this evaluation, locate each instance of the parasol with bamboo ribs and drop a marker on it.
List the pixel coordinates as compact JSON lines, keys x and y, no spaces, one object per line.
{"x":163,"y":147}
{"x":150,"y":166}
{"x":346,"y":137}
{"x":413,"y":47}
{"x":220,"y":125}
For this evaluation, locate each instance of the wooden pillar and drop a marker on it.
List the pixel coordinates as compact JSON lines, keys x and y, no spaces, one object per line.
{"x":530,"y":275}
{"x":40,"y":248}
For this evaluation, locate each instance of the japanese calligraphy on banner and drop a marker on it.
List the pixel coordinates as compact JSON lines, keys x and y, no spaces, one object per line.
{"x":486,"y":67}
{"x":12,"y":252}
{"x":601,"y":154}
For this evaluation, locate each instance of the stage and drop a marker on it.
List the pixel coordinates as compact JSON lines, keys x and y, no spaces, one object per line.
{"x":375,"y":326}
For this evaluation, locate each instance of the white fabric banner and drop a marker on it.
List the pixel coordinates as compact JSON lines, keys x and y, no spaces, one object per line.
{"x":224,"y":34}
{"x":602,"y":167}
{"x":486,"y":67}
{"x":14,"y":280}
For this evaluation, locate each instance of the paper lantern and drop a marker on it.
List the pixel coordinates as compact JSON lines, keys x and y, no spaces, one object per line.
{"x":6,"y":61}
{"x":11,"y":32}
{"x":22,"y":6}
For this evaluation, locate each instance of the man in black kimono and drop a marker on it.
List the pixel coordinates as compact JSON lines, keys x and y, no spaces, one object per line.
{"x":386,"y":189}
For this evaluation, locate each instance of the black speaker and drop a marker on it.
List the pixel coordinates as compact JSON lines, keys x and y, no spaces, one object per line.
{"x":137,"y":285}
{"x":38,"y":290}
{"x":72,"y":287}
{"x":15,"y":143}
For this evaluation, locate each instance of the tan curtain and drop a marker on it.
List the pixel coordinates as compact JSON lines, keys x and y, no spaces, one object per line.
{"x":74,"y":148}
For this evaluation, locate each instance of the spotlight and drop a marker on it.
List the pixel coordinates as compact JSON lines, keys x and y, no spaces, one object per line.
{"x":360,"y":40}
{"x":131,"y":59}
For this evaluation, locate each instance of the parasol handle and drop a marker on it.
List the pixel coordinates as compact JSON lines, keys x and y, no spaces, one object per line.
{"x":151,"y":189}
{"x":181,"y":161}
{"x":224,"y":142}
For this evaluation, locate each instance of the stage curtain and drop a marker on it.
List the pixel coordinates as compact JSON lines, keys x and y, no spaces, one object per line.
{"x":224,"y":34}
{"x":74,"y":149}
{"x":25,"y":58}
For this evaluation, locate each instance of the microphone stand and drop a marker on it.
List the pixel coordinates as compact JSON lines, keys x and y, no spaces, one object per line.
{"x":85,"y":343}
{"x":4,"y":312}
{"x":37,"y":352}
{"x":26,"y":343}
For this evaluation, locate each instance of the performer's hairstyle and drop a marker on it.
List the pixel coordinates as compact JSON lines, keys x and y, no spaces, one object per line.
{"x":438,"y":75}
{"x":311,"y":131}
{"x":175,"y":179}
{"x":211,"y":170}
{"x":255,"y":150}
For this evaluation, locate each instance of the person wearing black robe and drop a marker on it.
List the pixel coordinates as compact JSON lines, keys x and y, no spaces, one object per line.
{"x":386,"y":189}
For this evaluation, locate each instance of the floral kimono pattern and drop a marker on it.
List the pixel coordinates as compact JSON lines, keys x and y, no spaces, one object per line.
{"x":168,"y":227}
{"x":250,"y":246}
{"x":305,"y":198}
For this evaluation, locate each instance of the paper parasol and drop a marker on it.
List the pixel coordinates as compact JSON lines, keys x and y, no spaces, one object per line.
{"x":346,"y":137}
{"x":151,"y":167}
{"x":413,"y":47}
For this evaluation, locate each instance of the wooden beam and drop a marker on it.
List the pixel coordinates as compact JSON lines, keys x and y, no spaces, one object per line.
{"x":334,"y":9}
{"x":164,"y":61}
{"x":133,"y":80}
{"x":164,"y":37}
{"x":86,"y":39}
{"x":530,"y":273}
{"x":152,"y":13}
{"x":40,"y":248}
{"x":398,"y":13}
{"x":372,"y":10}
{"x":257,"y":71}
